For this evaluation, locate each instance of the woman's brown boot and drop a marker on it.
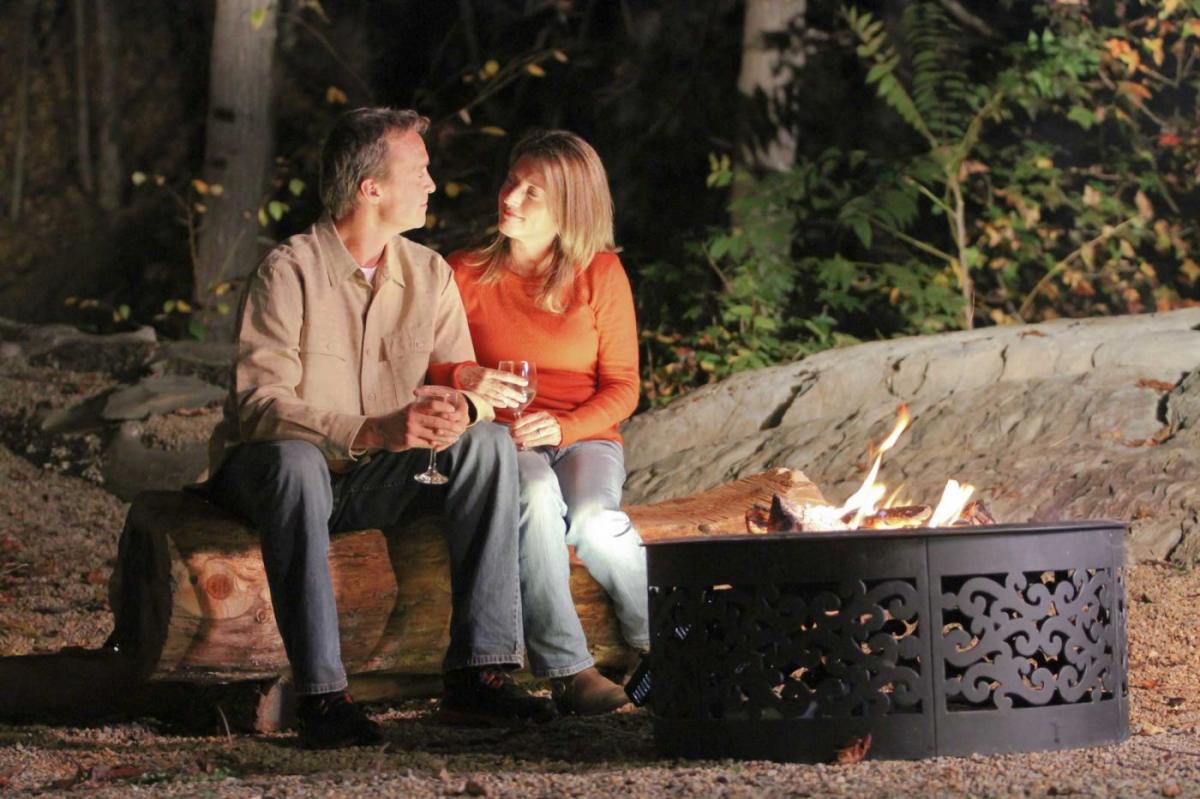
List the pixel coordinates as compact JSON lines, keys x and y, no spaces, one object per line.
{"x":587,"y":693}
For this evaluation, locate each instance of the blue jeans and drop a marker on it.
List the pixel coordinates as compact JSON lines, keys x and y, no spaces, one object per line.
{"x":573,"y":496}
{"x":285,"y":489}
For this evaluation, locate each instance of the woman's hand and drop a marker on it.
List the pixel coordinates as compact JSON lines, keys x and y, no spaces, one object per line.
{"x":538,"y":429}
{"x":500,"y":389}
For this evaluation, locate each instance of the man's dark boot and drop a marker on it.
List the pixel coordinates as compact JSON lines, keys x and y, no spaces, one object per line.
{"x":488,"y":696}
{"x":587,"y":693}
{"x":333,"y":720}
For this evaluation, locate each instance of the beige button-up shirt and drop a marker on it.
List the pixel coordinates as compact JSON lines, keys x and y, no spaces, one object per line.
{"x":319,"y":351}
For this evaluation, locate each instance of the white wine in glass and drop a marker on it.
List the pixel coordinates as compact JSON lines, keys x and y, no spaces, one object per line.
{"x":527,"y":370}
{"x":426,"y":396}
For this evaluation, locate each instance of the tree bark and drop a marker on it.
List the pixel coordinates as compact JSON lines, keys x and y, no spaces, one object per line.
{"x":110,"y":177}
{"x":237,"y":150}
{"x":191,"y":598}
{"x":18,"y":170}
{"x":83,"y":121}
{"x":766,"y":142}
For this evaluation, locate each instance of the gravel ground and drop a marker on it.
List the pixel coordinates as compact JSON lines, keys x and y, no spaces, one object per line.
{"x":58,"y":536}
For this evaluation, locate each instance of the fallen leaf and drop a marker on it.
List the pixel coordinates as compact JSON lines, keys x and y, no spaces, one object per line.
{"x":853,"y":752}
{"x":1158,"y":385}
{"x":1175,"y":701}
{"x":476,"y":788}
{"x":1149,"y":685}
{"x":1149,"y":728}
{"x":97,"y":576}
{"x":1036,"y":333}
{"x":1171,"y":789}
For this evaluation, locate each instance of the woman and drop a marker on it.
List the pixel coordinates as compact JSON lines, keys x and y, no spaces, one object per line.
{"x":549,"y":289}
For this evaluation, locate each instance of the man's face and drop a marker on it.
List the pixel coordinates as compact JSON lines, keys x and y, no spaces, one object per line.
{"x":404,"y":193}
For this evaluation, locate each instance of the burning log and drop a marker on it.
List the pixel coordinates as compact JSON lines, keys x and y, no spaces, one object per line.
{"x":903,"y":516}
{"x":862,"y":510}
{"x":975,"y":513}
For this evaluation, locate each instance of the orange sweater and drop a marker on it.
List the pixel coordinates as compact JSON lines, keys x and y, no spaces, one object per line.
{"x":586,"y":357}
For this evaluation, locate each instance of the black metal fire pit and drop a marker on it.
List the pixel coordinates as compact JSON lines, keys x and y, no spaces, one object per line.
{"x":1004,"y":638}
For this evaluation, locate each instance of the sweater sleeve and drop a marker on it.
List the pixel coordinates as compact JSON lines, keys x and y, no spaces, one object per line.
{"x":617,"y":360}
{"x":452,"y":349}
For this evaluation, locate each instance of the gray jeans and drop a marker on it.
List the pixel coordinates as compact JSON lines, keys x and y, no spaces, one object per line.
{"x":286,"y":490}
{"x":573,"y":495}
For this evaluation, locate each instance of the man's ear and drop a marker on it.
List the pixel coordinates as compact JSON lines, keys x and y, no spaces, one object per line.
{"x":369,"y":190}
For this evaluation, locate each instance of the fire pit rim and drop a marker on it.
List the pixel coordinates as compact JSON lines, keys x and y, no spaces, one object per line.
{"x":1008,"y":528}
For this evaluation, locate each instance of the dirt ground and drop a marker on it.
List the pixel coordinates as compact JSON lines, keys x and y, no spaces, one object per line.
{"x":58,"y":534}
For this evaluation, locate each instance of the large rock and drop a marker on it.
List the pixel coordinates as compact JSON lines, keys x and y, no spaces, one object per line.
{"x":1063,"y":420}
{"x":65,"y":347}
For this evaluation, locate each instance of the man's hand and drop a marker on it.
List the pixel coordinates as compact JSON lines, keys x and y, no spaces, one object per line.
{"x":500,"y":389}
{"x":538,"y":429}
{"x":425,"y":424}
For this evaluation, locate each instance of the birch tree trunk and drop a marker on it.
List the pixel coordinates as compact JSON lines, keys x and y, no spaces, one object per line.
{"x":237,"y":150}
{"x":770,"y":55}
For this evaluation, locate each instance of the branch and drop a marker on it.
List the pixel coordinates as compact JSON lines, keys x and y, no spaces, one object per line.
{"x":716,"y":268}
{"x":1027,"y":305}
{"x":329,"y":48}
{"x":907,"y":239}
{"x":965,"y":17}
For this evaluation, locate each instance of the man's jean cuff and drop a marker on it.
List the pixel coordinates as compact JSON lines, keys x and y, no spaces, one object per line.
{"x":515,"y":660}
{"x":321,"y":687}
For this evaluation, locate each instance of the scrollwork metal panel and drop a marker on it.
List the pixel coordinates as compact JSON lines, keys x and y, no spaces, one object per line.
{"x":790,"y":651}
{"x":952,"y":641}
{"x":1029,"y":639}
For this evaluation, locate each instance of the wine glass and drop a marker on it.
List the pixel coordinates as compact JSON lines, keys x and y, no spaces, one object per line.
{"x":426,"y":396}
{"x":527,"y":370}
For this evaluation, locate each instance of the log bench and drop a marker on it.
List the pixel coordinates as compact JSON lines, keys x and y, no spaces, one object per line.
{"x":191,"y":603}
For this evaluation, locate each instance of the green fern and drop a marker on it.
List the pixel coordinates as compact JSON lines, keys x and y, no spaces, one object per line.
{"x":875,"y":47}
{"x":941,"y":90}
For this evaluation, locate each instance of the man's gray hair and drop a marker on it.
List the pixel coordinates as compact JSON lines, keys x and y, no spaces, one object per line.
{"x":356,"y":149}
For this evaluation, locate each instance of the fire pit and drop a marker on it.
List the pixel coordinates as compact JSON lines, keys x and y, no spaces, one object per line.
{"x":950,"y":641}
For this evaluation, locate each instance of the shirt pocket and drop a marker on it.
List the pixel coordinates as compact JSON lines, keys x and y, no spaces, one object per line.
{"x":324,"y":376}
{"x":407,"y":360}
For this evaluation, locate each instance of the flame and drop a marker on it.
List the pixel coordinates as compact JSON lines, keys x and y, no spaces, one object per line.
{"x":866,"y":501}
{"x":954,"y":498}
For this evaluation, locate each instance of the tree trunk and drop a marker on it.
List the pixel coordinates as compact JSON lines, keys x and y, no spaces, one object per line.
{"x":237,"y":151}
{"x":110,"y":178}
{"x":18,"y":170}
{"x":191,"y":598}
{"x":770,"y":55}
{"x":83,"y":122}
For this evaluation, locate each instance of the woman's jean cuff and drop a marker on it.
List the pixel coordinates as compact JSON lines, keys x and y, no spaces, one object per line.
{"x":564,"y":671}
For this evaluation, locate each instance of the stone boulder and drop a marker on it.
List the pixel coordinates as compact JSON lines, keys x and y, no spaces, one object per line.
{"x":1071,"y":419}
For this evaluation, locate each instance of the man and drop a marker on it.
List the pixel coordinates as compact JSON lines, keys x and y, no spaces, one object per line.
{"x":337,"y":329}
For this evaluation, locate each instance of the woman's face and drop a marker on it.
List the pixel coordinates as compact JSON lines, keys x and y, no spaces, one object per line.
{"x":524,"y":206}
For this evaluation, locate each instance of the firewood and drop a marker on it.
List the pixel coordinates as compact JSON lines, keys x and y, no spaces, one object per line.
{"x":975,"y":513}
{"x":901,"y":516}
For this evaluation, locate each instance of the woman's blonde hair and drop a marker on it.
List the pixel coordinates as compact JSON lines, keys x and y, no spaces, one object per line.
{"x":580,"y":205}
